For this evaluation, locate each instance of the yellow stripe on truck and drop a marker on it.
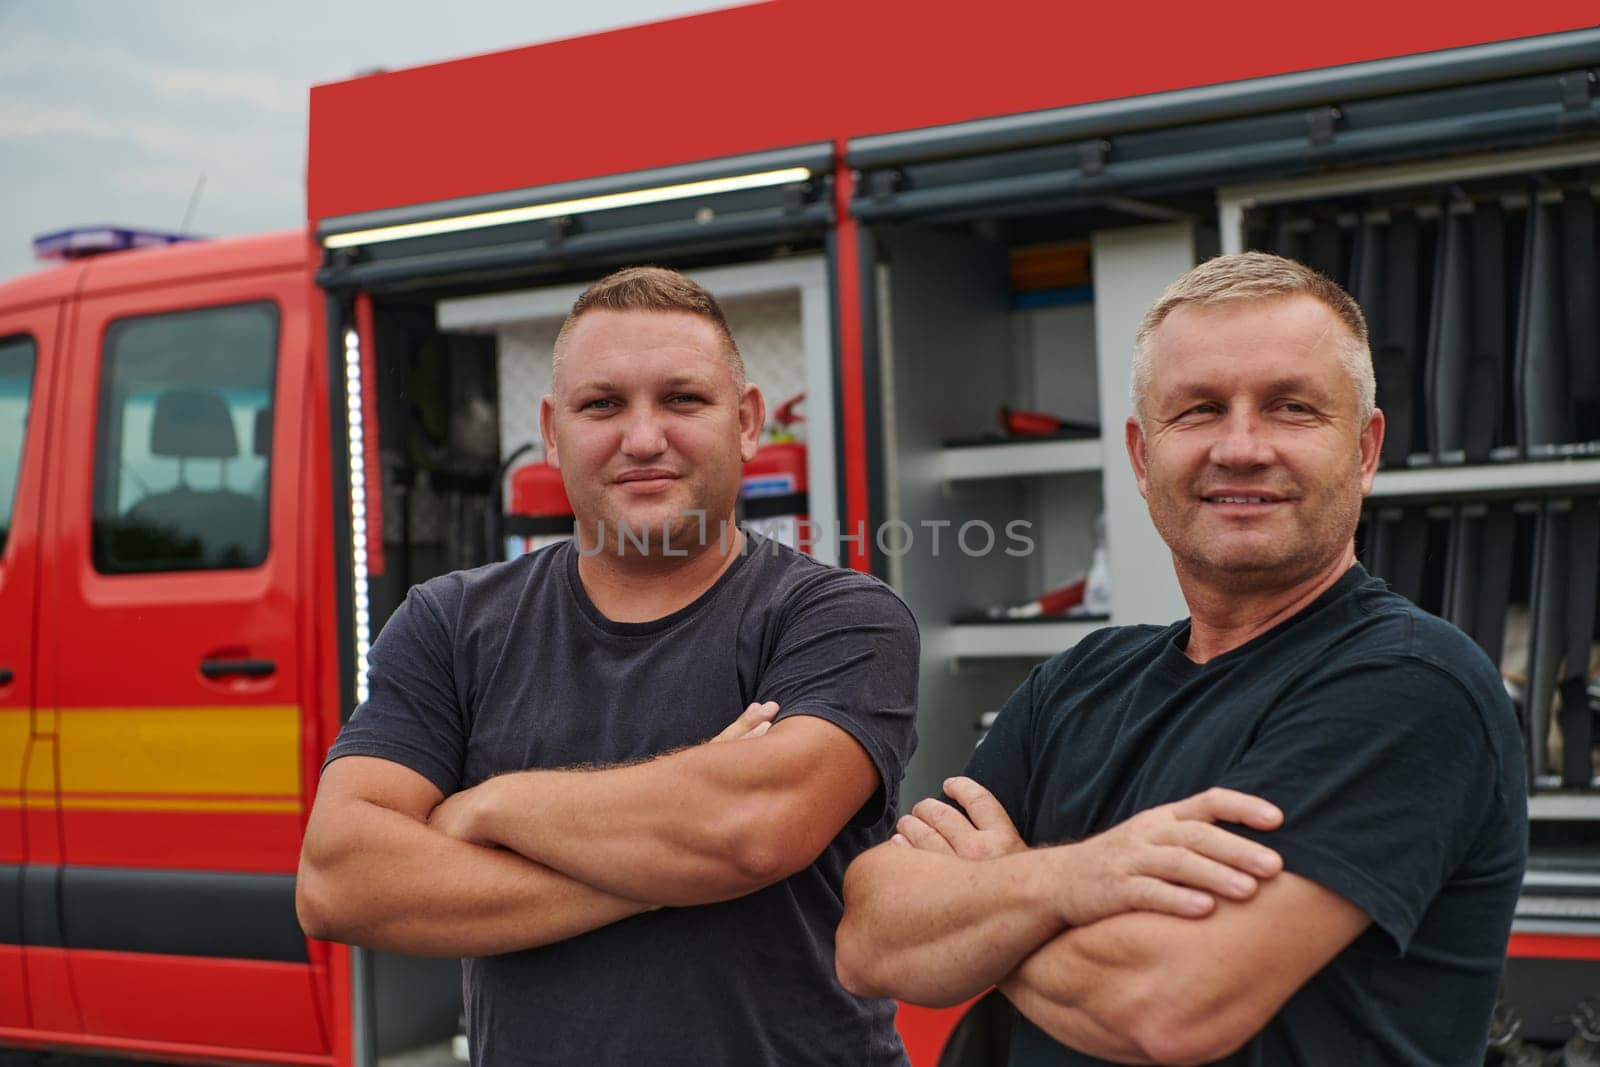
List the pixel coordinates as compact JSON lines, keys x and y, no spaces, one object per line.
{"x":15,"y":724}
{"x":71,"y":802}
{"x":239,"y":758}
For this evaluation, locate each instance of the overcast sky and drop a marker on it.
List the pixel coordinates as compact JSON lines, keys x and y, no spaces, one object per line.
{"x":111,"y":110}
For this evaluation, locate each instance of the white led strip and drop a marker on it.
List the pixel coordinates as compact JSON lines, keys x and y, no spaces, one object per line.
{"x":358,"y":508}
{"x":557,"y":208}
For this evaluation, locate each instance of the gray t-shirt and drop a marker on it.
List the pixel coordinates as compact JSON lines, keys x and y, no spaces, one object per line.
{"x":511,"y":666}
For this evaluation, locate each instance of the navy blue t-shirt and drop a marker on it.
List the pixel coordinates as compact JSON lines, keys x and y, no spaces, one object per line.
{"x":1387,"y":739}
{"x":511,"y":667}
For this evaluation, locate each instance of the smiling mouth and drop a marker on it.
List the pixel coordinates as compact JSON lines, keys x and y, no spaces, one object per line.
{"x":644,"y":476}
{"x":1240,"y":499}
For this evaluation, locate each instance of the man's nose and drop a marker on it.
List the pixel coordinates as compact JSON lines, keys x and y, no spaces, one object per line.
{"x":1243,"y":441}
{"x":643,"y":436}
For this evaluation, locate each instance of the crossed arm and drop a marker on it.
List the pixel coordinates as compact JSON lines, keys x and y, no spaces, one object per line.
{"x":373,"y":873}
{"x":1144,"y":987}
{"x":390,"y":863}
{"x":1162,"y":940}
{"x":699,"y":825}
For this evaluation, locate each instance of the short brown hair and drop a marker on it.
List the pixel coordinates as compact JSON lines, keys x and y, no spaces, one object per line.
{"x":1259,"y":276}
{"x":651,"y":289}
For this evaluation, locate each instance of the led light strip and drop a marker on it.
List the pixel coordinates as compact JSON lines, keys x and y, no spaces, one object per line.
{"x":358,"y":507}
{"x":557,"y":208}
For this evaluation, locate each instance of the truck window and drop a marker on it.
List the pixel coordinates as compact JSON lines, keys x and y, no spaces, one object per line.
{"x":184,"y":440}
{"x":16,"y":389}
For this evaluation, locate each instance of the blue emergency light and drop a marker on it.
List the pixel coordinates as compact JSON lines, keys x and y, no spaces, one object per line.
{"x":97,"y":240}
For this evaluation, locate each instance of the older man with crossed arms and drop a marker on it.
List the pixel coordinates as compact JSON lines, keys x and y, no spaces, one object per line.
{"x":1382,"y":733}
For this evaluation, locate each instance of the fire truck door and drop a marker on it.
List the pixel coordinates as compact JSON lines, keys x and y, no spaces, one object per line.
{"x":27,"y":816}
{"x":171,"y":653}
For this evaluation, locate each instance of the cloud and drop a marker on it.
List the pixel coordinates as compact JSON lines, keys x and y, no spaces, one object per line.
{"x":40,"y":60}
{"x":266,"y":92}
{"x":241,"y":151}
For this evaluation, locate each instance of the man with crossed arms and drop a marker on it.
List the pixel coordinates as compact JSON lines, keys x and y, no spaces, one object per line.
{"x":1382,"y":733}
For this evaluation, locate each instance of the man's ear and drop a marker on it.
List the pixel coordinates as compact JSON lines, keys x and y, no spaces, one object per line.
{"x":1371,"y":448}
{"x":752,"y":417}
{"x":1134,"y":435}
{"x":547,"y":414}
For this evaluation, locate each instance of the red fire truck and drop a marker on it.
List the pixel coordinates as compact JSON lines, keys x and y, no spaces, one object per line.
{"x":223,"y":463}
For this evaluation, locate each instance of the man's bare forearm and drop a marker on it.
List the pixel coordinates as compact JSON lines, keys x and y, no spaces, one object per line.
{"x":376,"y":877}
{"x":707,"y":823}
{"x":1082,"y":987}
{"x":1176,"y":990}
{"x":937,"y":929}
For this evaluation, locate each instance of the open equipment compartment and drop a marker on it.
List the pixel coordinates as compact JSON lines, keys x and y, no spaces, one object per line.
{"x":445,"y":324}
{"x":1419,"y":184}
{"x":959,"y":333}
{"x":1477,"y":275}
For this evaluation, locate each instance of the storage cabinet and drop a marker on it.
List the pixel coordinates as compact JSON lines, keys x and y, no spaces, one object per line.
{"x":1479,"y":282}
{"x":972,"y":525}
{"x":1477,"y":275}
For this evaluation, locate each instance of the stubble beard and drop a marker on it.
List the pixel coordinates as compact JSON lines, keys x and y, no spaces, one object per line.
{"x":1313,"y":543}
{"x":666,"y":536}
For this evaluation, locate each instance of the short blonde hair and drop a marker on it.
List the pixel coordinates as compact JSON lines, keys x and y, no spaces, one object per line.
{"x":651,"y":289}
{"x":1259,"y":276}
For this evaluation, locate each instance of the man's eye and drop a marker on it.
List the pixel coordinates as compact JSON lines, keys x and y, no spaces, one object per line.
{"x":686,"y":398}
{"x":604,"y":403}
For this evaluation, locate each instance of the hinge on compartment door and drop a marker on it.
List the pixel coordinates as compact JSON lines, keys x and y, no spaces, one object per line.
{"x":1321,"y":124}
{"x":1577,"y":100}
{"x":795,"y":197}
{"x":882,"y":184}
{"x":1092,"y":156}
{"x":556,"y":230}
{"x":1576,"y":89}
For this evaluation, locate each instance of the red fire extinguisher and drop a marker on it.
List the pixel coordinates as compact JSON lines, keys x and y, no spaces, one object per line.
{"x":538,"y":513}
{"x":773,"y":493}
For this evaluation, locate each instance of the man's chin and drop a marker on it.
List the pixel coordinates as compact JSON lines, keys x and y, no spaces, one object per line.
{"x":655,"y":531}
{"x":1243,"y":571}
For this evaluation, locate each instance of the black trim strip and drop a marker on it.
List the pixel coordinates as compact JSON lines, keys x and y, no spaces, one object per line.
{"x":1178,"y":159}
{"x":182,"y":913}
{"x":765,"y":507}
{"x":10,"y":904}
{"x":818,"y":158}
{"x":1355,"y":81}
{"x":41,"y":906}
{"x":215,"y":914}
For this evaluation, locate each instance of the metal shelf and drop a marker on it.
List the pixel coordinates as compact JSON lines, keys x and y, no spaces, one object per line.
{"x":1487,"y":478}
{"x":1557,"y":927}
{"x":1564,"y":806}
{"x":1020,"y":459}
{"x":1017,"y":640}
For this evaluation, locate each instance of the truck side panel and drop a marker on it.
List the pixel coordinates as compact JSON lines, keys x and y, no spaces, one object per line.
{"x":29,"y":345}
{"x":172,"y":671}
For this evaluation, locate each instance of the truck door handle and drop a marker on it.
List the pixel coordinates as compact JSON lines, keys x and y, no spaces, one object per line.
{"x":6,"y":676}
{"x":248,"y":668}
